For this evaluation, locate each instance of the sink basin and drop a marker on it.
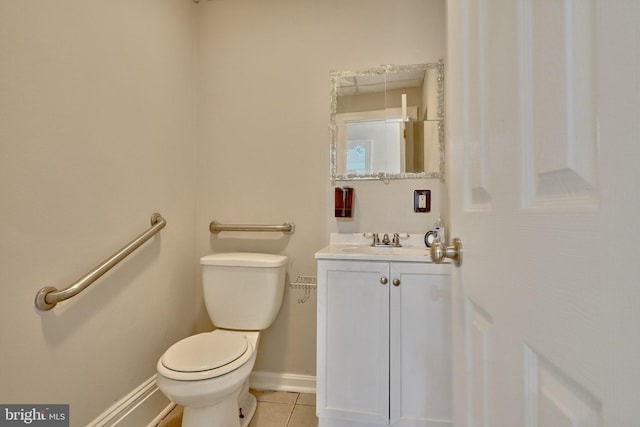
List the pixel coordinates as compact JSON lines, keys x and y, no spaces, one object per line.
{"x":357,"y":247}
{"x":364,"y":252}
{"x":381,"y":250}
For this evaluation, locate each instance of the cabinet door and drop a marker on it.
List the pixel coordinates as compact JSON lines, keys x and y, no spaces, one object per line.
{"x":353,"y":341}
{"x":420,"y":347}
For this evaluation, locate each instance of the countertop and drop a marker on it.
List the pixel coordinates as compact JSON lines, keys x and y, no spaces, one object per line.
{"x":357,"y":246}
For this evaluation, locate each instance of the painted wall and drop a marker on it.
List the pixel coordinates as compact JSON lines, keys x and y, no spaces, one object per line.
{"x":101,"y":105}
{"x":263,"y":140}
{"x":97,"y":132}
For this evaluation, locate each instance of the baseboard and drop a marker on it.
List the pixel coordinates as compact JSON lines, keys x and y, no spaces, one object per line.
{"x":282,"y":382}
{"x":144,"y":406}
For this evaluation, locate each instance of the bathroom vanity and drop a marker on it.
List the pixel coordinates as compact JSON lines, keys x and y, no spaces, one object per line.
{"x":384,"y":347}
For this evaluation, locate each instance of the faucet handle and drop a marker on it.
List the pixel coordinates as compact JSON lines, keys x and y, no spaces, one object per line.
{"x":376,"y":239}
{"x":396,"y":240}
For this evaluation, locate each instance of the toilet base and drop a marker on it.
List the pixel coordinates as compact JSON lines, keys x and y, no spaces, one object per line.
{"x":248,"y":406}
{"x":226,"y":413}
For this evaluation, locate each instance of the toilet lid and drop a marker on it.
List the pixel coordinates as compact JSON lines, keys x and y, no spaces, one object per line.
{"x":203,"y":352}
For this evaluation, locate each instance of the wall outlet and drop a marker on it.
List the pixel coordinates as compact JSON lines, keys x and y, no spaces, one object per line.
{"x":422,"y":201}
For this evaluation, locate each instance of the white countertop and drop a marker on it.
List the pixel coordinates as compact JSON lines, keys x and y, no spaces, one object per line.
{"x":357,"y":246}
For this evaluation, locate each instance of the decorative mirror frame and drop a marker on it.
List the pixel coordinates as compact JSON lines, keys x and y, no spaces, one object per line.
{"x":333,"y":131}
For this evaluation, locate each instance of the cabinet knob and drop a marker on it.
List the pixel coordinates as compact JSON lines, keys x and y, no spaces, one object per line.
{"x":384,"y":280}
{"x":396,"y":282}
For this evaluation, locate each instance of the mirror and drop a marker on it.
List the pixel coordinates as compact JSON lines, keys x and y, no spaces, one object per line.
{"x":387,"y":123}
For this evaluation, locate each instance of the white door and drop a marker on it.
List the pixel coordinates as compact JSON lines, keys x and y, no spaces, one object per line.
{"x":543,"y":125}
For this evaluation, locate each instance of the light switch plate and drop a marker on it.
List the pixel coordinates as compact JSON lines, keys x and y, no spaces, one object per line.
{"x":422,"y":201}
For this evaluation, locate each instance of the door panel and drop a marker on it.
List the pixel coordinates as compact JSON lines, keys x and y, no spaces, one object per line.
{"x":558,"y":122}
{"x":477,"y":161}
{"x":554,"y":399}
{"x":478,"y":344}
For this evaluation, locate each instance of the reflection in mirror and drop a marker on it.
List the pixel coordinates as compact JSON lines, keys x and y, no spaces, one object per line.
{"x":387,"y":122}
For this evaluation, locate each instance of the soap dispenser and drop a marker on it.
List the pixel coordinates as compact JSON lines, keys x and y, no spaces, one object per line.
{"x":439,"y":231}
{"x":344,"y":202}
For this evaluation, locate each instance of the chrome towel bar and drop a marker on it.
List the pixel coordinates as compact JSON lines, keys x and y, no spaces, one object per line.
{"x":216,"y":227}
{"x":49,"y":296}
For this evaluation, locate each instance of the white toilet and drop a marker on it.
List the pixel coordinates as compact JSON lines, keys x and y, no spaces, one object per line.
{"x":208,"y":373}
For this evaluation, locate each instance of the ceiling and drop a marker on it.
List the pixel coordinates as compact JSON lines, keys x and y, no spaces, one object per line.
{"x":357,"y":85}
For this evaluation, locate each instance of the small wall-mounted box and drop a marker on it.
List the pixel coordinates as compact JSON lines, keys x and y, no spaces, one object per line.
{"x":422,"y":201}
{"x":344,"y":202}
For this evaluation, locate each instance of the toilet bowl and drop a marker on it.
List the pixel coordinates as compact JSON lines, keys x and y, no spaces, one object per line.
{"x":208,"y":374}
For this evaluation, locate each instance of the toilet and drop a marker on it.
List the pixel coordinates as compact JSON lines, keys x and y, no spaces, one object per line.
{"x":208,"y":373}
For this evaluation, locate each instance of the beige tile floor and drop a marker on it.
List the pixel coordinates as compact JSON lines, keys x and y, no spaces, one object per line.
{"x":275,"y":409}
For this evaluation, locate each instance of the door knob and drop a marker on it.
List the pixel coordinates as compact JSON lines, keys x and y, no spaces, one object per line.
{"x":384,"y":280}
{"x":439,"y":252}
{"x":396,"y":282}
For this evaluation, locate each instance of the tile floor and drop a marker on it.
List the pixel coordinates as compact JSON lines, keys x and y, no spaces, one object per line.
{"x":275,"y":409}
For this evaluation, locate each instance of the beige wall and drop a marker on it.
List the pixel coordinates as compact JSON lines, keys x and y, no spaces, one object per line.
{"x":97,"y":131}
{"x":101,"y":105}
{"x":263,"y":104}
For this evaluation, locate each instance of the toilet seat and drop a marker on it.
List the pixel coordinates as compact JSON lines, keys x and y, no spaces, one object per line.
{"x":204,"y":356}
{"x":203,"y":352}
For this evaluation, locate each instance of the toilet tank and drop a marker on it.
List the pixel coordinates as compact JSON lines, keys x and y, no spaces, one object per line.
{"x":242,"y":290}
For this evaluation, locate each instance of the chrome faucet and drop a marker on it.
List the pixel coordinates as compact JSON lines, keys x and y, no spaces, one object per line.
{"x":386,"y":241}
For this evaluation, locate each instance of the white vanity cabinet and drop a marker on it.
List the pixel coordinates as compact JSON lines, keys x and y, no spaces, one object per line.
{"x":384,"y":350}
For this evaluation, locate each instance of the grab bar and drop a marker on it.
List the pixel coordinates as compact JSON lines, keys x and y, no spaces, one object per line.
{"x":48,"y":297}
{"x":216,"y":227}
